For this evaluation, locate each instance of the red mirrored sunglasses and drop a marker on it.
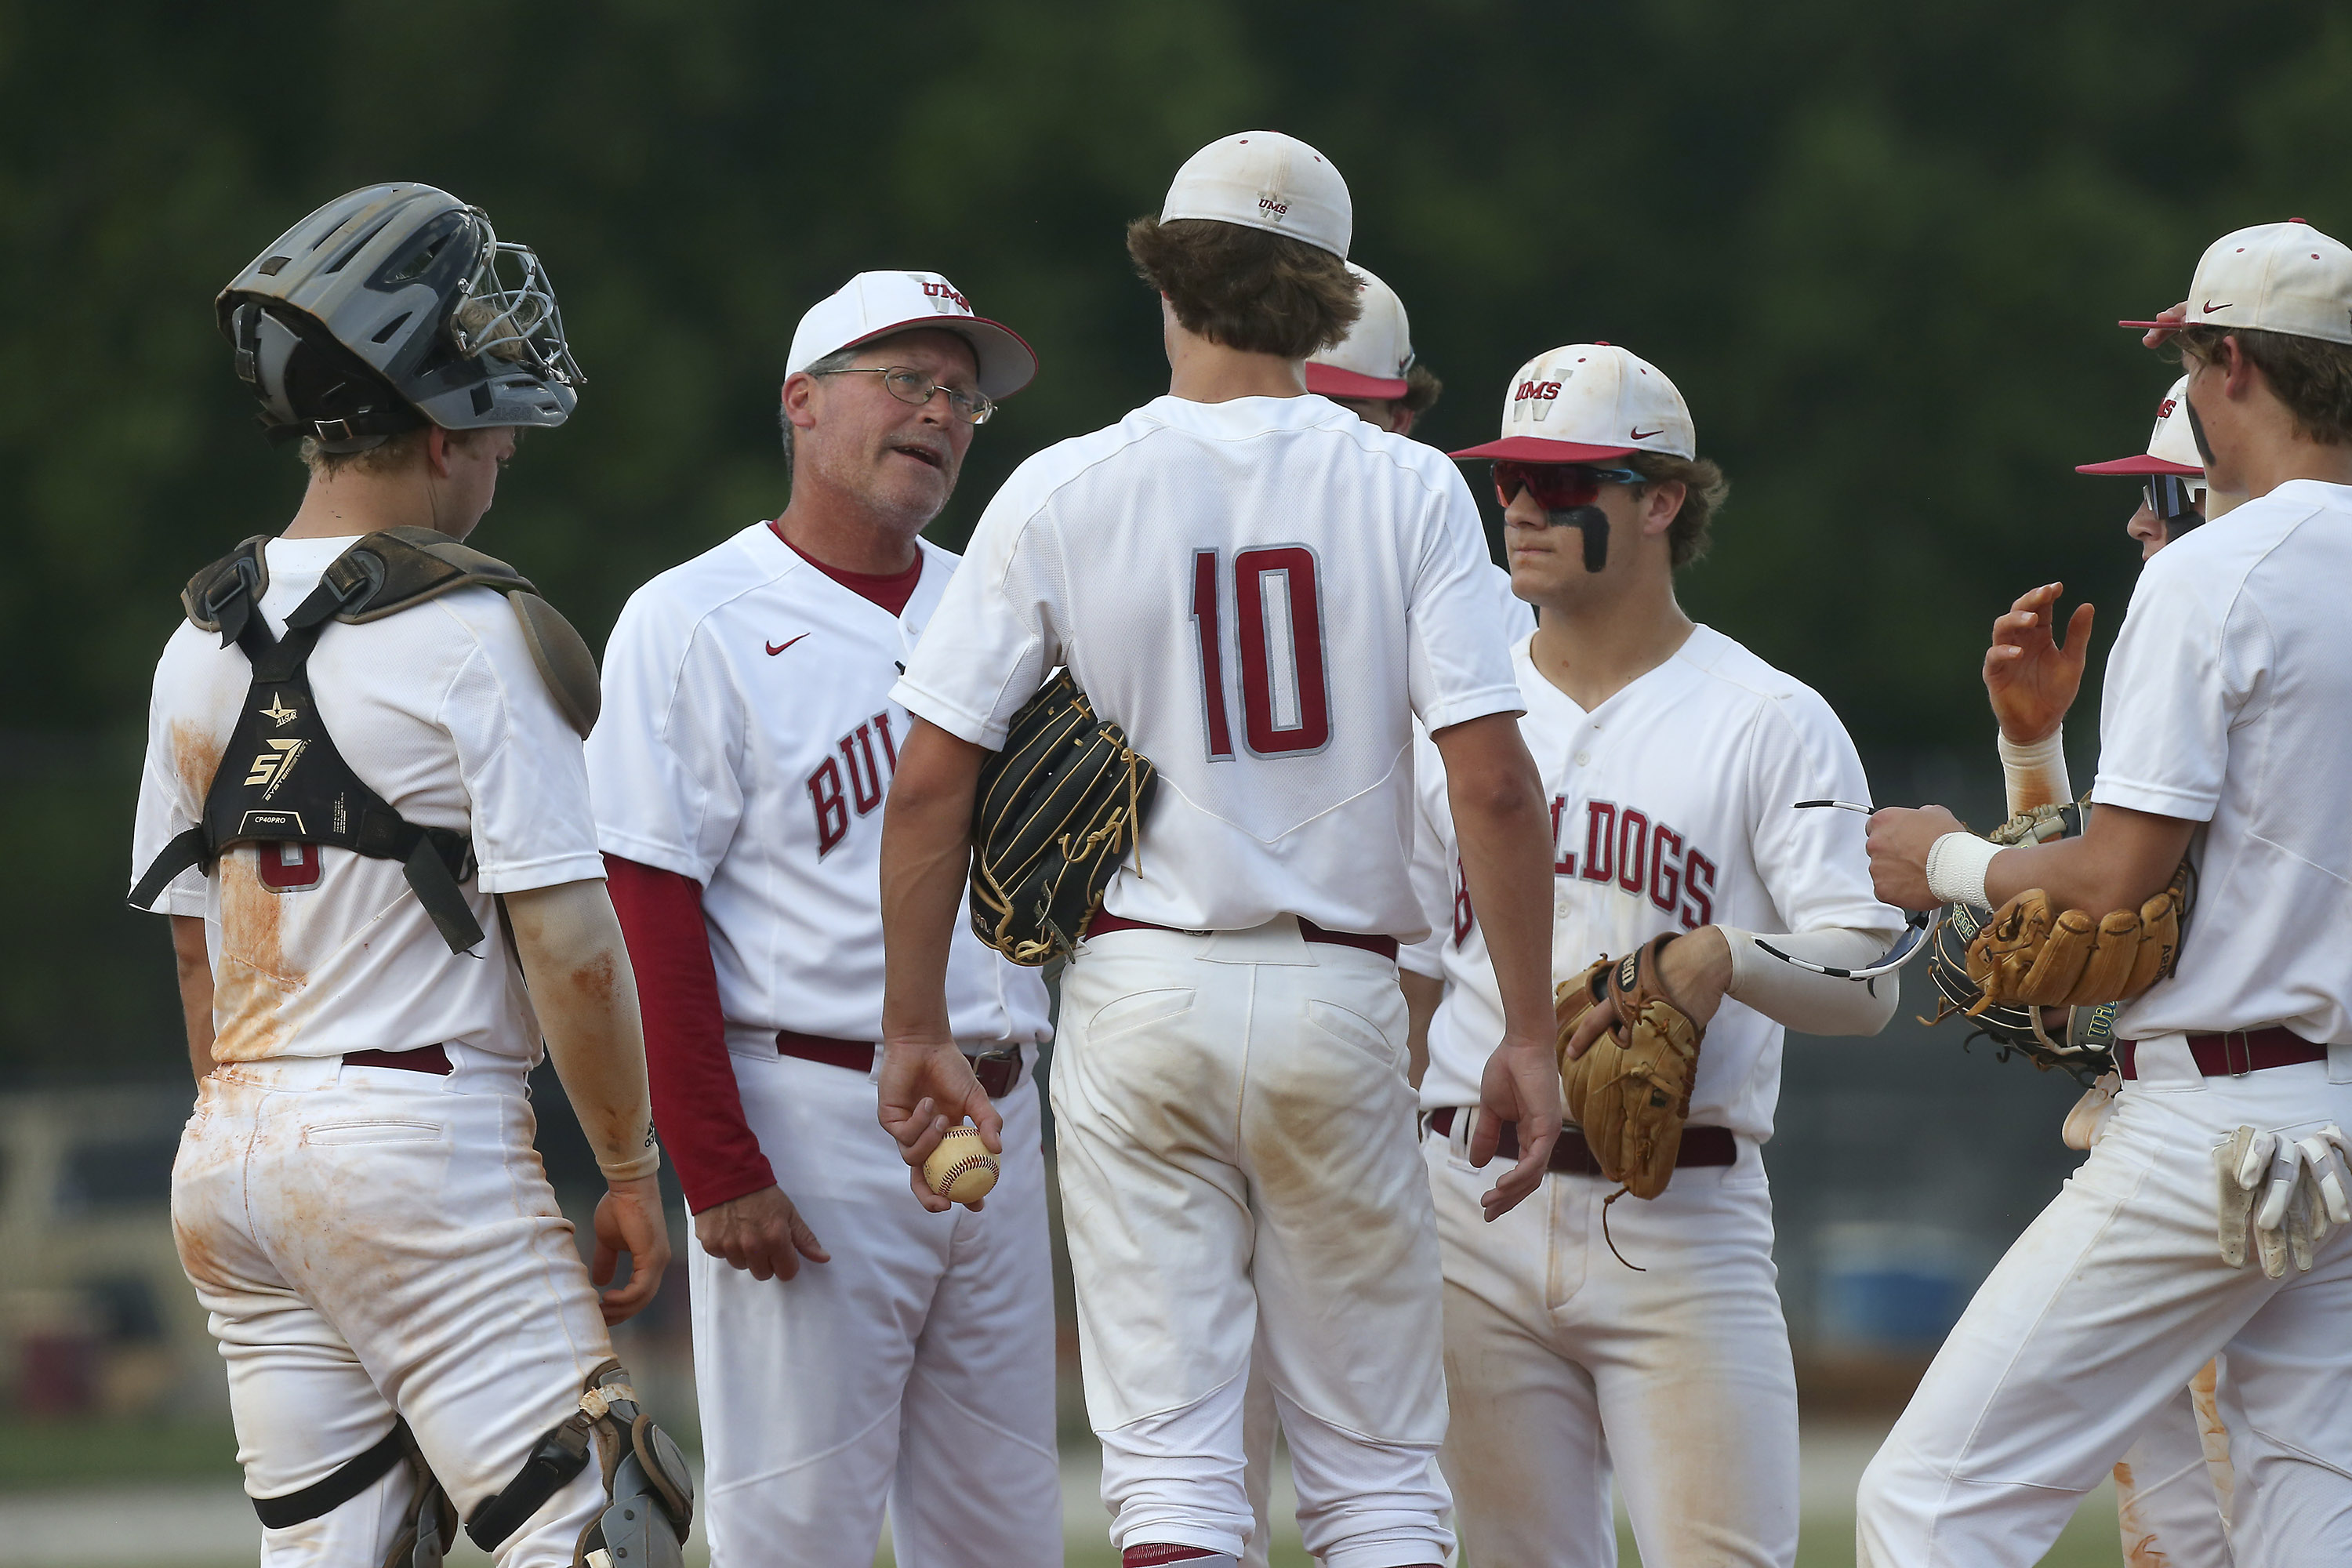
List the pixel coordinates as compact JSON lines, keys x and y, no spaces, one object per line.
{"x":1559,"y":487}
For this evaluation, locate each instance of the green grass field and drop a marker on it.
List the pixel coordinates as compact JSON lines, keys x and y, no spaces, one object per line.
{"x":62,"y":1456}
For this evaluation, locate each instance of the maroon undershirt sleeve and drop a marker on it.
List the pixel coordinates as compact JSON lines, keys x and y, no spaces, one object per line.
{"x":696,"y":1103}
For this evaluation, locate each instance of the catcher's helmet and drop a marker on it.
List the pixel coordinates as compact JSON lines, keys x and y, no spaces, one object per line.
{"x":391,"y":307}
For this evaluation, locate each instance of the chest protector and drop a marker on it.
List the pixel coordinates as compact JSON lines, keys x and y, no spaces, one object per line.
{"x":281,"y":779}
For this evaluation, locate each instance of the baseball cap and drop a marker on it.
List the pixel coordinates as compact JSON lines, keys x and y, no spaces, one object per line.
{"x":2275,"y":278}
{"x":2171,"y":449}
{"x":1371,"y":359}
{"x":1263,"y":179}
{"x":876,"y":304}
{"x":1586,"y":401}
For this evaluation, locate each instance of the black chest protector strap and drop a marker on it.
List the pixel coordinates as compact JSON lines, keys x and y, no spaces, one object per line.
{"x":282,"y":779}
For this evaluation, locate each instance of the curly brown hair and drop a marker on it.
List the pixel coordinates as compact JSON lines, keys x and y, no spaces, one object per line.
{"x":1420,"y":388}
{"x":1244,"y":288}
{"x":1705,"y":490}
{"x":2312,"y":376}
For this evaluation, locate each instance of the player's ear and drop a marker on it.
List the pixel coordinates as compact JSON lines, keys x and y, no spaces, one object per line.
{"x":1663,"y":504}
{"x":1400,"y":420}
{"x":437,"y":451}
{"x":799,"y":388}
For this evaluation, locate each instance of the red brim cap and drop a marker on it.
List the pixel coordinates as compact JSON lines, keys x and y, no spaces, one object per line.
{"x":2142,"y":464}
{"x":1331,"y":381}
{"x":1536,"y":449}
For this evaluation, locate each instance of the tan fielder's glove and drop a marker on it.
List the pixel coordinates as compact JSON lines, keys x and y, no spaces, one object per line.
{"x":2032,"y":955}
{"x":1631,"y":1092}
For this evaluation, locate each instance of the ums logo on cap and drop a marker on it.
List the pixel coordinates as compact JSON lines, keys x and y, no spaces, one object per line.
{"x":1589,"y":403}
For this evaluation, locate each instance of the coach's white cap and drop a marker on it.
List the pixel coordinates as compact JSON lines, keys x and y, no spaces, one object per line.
{"x":876,"y":304}
{"x":2276,"y":278}
{"x":1371,"y":359}
{"x":1263,"y":179}
{"x":1588,"y":402}
{"x":2171,"y":449}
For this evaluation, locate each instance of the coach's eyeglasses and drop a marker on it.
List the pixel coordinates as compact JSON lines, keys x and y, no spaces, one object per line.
{"x":911,"y":387}
{"x":1559,"y":487}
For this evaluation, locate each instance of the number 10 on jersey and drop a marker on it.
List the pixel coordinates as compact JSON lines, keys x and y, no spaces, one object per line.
{"x":1277,"y":615}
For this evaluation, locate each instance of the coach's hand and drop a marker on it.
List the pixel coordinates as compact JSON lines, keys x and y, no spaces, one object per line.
{"x":2031,"y":677}
{"x":1899,"y":841}
{"x":926,"y":1087}
{"x":760,"y":1233}
{"x":629,"y":1219}
{"x":1521,"y":1085}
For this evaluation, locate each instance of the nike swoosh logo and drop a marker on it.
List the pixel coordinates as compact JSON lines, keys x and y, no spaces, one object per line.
{"x":2211,"y":306}
{"x":776,"y":648}
{"x":1645,"y":434}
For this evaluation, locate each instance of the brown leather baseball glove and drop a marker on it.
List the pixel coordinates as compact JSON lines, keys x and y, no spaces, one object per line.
{"x":1631,"y":1090}
{"x":2034,"y":955}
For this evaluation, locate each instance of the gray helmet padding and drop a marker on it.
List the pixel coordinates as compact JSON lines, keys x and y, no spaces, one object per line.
{"x":392,"y":306}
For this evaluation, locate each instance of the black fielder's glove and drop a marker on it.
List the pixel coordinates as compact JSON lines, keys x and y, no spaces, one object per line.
{"x":1056,"y":811}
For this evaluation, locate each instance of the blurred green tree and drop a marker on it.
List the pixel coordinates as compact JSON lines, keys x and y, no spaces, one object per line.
{"x":1878,"y":248}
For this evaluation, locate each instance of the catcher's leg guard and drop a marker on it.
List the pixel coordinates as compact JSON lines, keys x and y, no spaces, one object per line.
{"x":432,"y":1521}
{"x":645,"y":1476}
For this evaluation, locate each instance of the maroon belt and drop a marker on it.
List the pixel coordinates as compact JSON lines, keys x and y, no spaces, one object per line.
{"x":423,"y":1058}
{"x":1386,"y":946}
{"x":2236,"y":1054}
{"x":998,"y":1070}
{"x":1572,"y":1156}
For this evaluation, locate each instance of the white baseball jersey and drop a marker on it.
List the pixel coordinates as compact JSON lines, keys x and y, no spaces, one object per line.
{"x":1671,"y":810}
{"x":2225,"y":703}
{"x":748,"y":740}
{"x":321,"y":950}
{"x":1262,"y":593}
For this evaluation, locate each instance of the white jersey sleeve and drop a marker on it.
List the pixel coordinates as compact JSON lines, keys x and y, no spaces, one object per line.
{"x":182,"y":754}
{"x":2184,"y":667}
{"x":1814,"y":863}
{"x":667,"y":752}
{"x":519,"y":759}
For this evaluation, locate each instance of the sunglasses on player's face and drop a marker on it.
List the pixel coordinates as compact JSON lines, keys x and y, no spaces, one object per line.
{"x":1559,"y":487}
{"x":2168,"y":497}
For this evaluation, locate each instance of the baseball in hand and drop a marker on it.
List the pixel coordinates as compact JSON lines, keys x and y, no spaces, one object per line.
{"x":961,"y":1169}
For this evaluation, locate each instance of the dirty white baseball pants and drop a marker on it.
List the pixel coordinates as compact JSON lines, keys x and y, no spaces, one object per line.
{"x":1236,"y":1143}
{"x":1560,"y":1361}
{"x":915,"y":1369}
{"x":2169,"y":1508}
{"x":2111,"y":1301}
{"x":370,"y":1241}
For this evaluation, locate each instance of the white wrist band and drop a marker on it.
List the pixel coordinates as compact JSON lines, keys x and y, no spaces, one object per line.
{"x":647,"y":1163}
{"x":2036,"y":772}
{"x":1955,"y":868}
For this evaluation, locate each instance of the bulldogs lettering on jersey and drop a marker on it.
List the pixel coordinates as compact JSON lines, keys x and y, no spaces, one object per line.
{"x":748,"y":741}
{"x":1670,"y":808}
{"x":868,"y":781}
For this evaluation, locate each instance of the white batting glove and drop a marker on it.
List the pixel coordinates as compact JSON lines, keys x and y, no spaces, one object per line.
{"x":2239,"y":1164}
{"x":2303,"y":1201}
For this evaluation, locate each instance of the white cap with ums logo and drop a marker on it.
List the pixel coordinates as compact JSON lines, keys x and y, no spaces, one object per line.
{"x":1263,"y":179}
{"x":1371,"y":359}
{"x":2171,"y":449}
{"x":1586,"y":403}
{"x":2275,"y":278}
{"x":876,"y":304}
